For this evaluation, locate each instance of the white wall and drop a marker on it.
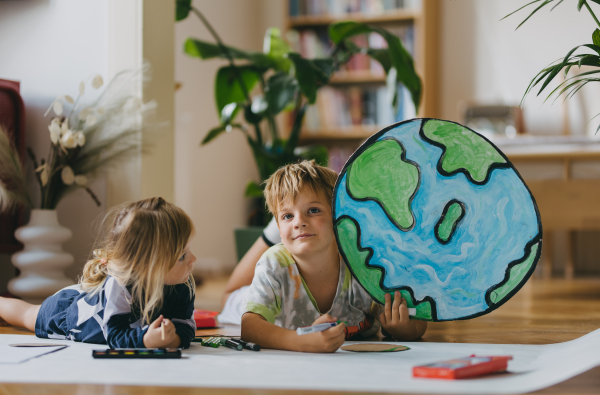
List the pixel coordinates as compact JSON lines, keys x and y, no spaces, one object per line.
{"x":484,"y":59}
{"x":210,"y":180}
{"x":50,"y":46}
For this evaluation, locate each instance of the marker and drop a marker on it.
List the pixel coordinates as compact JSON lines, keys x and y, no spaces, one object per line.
{"x":315,"y":328}
{"x":209,"y":343}
{"x":248,"y":346}
{"x":231,"y":344}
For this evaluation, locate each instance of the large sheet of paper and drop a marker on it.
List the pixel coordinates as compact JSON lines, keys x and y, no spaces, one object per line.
{"x":10,"y":354}
{"x":534,"y":367}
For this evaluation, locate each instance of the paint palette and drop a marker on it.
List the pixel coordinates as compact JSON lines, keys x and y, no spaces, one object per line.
{"x":137,"y":353}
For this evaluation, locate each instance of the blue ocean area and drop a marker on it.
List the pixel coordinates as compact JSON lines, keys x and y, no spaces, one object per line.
{"x":500,"y":219}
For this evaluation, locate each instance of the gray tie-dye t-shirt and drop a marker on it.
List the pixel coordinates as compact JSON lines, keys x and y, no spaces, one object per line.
{"x":278,"y":293}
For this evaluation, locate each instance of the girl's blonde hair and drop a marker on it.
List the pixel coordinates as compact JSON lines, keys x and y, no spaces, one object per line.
{"x":138,"y":244}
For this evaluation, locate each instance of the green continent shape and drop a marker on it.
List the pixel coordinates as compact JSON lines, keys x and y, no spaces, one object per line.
{"x":517,"y":273}
{"x":380,"y":173}
{"x":464,"y":148}
{"x":444,"y":231}
{"x":370,"y":277}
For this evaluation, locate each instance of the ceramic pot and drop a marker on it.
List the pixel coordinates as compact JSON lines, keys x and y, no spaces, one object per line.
{"x":42,"y":261}
{"x":245,"y":238}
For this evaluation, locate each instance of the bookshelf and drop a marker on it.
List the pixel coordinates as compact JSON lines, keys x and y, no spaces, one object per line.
{"x":386,"y":16}
{"x":416,"y":22}
{"x":343,"y":133}
{"x":357,"y":77}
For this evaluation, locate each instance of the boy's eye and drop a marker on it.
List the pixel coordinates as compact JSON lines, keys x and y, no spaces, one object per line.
{"x":314,"y":210}
{"x":182,"y":257}
{"x":286,"y":216}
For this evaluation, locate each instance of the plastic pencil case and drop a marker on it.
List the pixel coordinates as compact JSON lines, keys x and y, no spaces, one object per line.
{"x":138,"y":353}
{"x":205,"y":318}
{"x":462,"y":367}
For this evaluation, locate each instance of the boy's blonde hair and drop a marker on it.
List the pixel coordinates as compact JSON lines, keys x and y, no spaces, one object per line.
{"x":138,"y":244}
{"x":285,"y":184}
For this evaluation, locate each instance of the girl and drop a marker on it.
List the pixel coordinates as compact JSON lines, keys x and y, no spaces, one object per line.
{"x":140,"y":274}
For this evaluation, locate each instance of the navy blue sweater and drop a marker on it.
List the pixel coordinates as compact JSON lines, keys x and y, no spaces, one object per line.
{"x":109,"y":318}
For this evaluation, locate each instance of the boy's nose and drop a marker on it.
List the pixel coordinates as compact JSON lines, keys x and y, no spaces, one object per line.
{"x":300,"y":222}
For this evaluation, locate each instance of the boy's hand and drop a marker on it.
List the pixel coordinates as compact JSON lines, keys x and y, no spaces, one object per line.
{"x":326,"y":341}
{"x":323,"y":319}
{"x":396,"y":322}
{"x":153,"y":337}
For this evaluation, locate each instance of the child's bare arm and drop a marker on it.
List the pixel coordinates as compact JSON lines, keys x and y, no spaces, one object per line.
{"x":396,"y":322}
{"x":244,"y":271}
{"x":257,"y":330}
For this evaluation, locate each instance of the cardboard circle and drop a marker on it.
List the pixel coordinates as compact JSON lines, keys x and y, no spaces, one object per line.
{"x":436,"y":211}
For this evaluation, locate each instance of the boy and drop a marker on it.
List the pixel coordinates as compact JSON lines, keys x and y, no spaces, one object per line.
{"x":303,"y":281}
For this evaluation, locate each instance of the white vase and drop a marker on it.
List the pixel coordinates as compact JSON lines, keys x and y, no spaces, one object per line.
{"x":42,"y":262}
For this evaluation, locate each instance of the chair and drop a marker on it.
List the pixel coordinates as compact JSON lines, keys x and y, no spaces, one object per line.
{"x":12,"y":119}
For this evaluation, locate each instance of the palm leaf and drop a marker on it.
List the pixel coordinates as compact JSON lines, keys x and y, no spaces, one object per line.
{"x":545,"y":3}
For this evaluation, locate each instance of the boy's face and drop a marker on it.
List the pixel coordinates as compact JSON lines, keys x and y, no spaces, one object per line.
{"x":305,"y":225}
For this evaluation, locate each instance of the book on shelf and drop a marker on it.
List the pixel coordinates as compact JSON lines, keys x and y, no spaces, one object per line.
{"x":311,"y":43}
{"x":343,"y":110}
{"x":341,"y":7}
{"x":357,"y":105}
{"x":368,"y":111}
{"x":338,"y":156}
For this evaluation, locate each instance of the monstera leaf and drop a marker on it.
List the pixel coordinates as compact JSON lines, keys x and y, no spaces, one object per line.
{"x":228,"y":88}
{"x":395,"y":57}
{"x":182,"y":9}
{"x":280,"y":91}
{"x":205,"y":50}
{"x":311,"y":74}
{"x":276,"y":48}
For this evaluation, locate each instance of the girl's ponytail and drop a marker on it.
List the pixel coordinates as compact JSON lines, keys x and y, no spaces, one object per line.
{"x":94,"y":272}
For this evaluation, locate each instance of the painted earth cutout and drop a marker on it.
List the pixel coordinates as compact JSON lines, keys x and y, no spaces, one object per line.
{"x":434,"y":210}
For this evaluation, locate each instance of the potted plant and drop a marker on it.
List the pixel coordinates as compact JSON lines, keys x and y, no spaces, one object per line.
{"x":83,"y":140}
{"x":570,"y":85}
{"x":261,"y":85}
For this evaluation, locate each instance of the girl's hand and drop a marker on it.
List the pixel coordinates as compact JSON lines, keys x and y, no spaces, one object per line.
{"x":396,"y":322}
{"x":153,"y":337}
{"x":325,"y":341}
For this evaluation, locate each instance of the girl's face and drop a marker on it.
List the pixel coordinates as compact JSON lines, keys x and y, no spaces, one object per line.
{"x":180,"y":272}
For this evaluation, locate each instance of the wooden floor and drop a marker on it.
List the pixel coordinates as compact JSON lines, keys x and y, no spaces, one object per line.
{"x":544,"y":311}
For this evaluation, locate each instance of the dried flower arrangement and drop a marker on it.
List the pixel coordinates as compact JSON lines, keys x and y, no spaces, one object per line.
{"x":82,"y":142}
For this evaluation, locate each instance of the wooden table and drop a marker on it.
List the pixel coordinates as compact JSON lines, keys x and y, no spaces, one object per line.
{"x":566,"y":201}
{"x":544,"y":311}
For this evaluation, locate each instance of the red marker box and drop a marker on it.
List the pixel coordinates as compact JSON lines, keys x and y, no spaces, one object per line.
{"x":205,"y":318}
{"x":461,"y":368}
